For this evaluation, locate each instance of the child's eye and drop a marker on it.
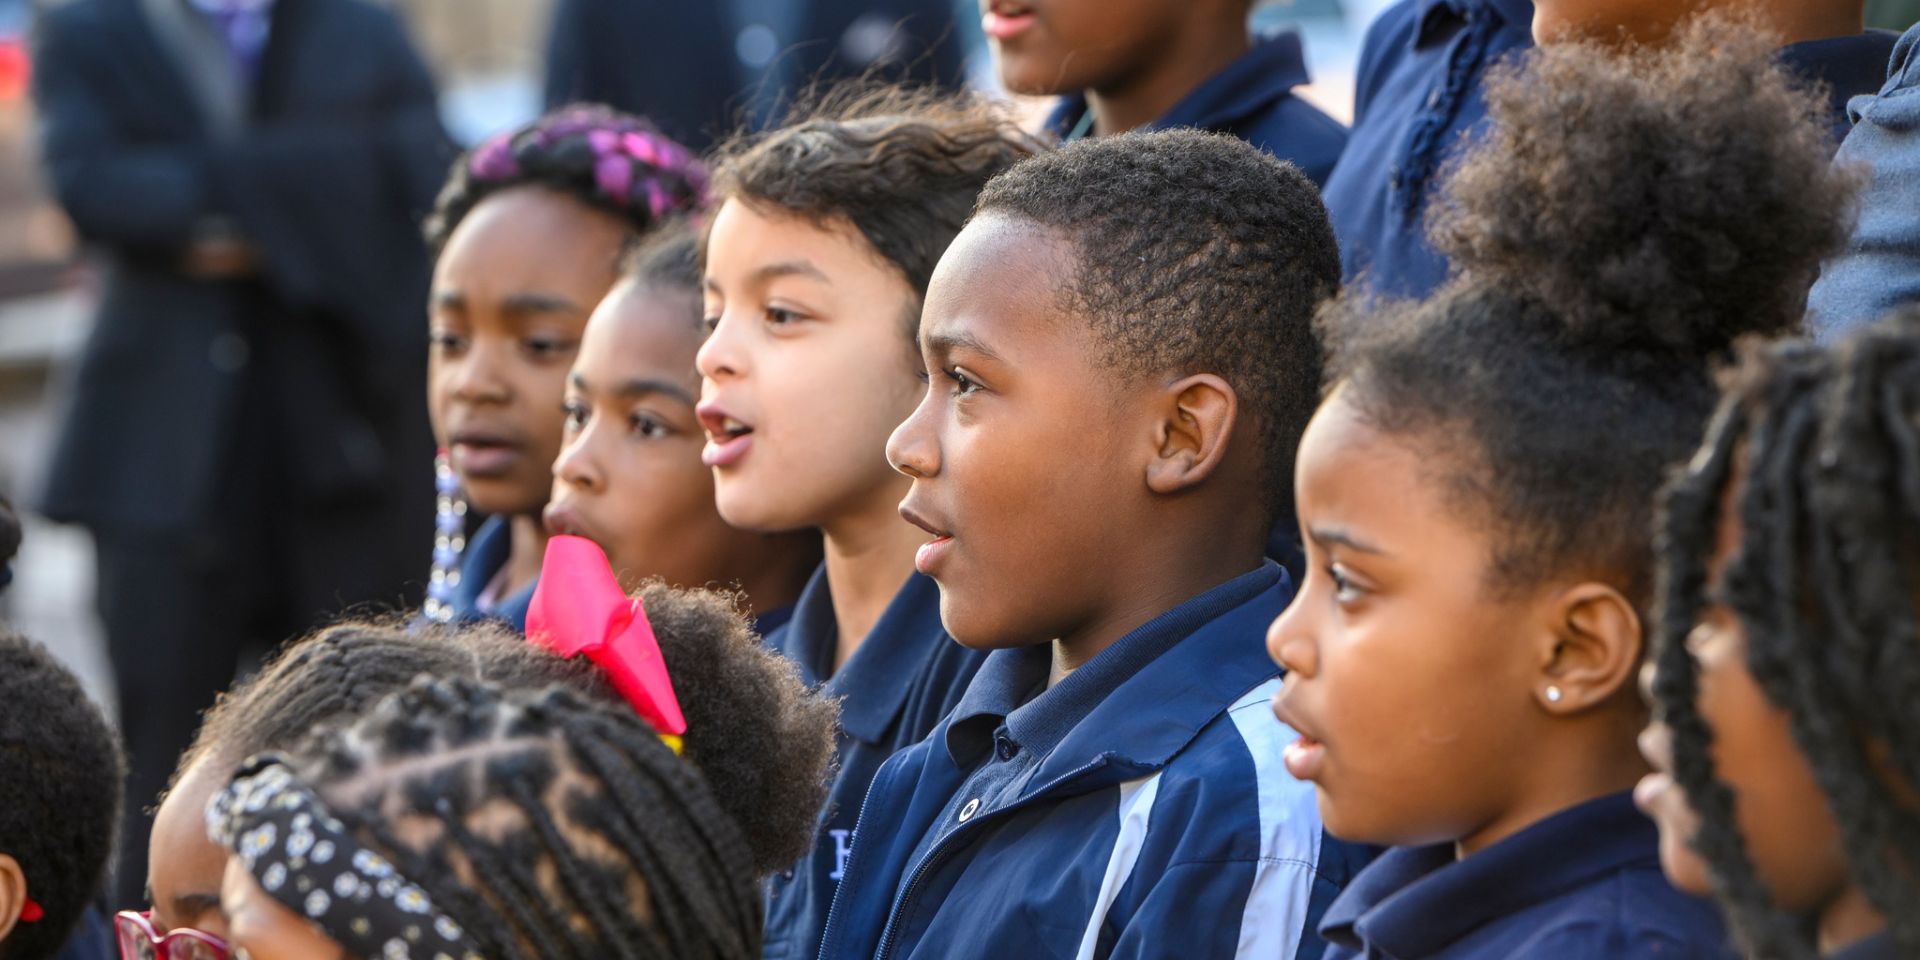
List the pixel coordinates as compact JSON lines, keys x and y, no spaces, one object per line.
{"x":780,"y":316}
{"x":577,"y":415}
{"x":446,"y":341}
{"x":1344,"y":589}
{"x":923,"y":376}
{"x":708,"y":325}
{"x":547,"y":348}
{"x":962,"y":384}
{"x":649,"y":426}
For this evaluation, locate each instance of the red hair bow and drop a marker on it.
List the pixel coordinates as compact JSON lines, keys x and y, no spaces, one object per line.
{"x":579,"y":608}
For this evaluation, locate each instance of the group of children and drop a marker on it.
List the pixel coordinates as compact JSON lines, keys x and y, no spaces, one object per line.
{"x":986,"y":443}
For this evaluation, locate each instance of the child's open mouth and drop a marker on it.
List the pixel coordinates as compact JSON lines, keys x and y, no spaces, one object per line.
{"x":728,"y":437}
{"x":928,"y":557}
{"x":1304,"y":758}
{"x":1006,"y":19}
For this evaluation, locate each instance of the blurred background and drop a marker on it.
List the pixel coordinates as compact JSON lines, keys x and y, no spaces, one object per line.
{"x":488,"y":58}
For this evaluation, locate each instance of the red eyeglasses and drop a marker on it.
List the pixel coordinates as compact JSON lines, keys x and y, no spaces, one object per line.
{"x":140,"y":941}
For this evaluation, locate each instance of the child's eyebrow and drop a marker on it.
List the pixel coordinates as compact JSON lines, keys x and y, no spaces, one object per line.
{"x":1340,"y":536}
{"x":640,"y":387}
{"x":538,"y":303}
{"x":190,"y":906}
{"x":949,"y":342}
{"x":789,"y":268}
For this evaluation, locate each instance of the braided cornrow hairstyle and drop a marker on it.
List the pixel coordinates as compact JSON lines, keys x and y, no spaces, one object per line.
{"x":610,"y":161}
{"x":752,"y":726}
{"x":547,"y":824}
{"x":1825,"y":446}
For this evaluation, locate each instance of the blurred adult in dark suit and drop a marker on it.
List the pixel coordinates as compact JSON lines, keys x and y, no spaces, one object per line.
{"x":699,"y":70}
{"x":246,"y":442}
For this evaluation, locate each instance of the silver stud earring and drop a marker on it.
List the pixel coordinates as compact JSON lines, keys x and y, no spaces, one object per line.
{"x":1553,"y":694}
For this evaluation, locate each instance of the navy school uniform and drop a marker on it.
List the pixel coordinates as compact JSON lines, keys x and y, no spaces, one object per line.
{"x":893,"y":690}
{"x":1417,"y":98}
{"x":487,"y":552}
{"x":1251,"y":99}
{"x":1849,"y":66}
{"x":1138,"y":808}
{"x":1583,"y":883}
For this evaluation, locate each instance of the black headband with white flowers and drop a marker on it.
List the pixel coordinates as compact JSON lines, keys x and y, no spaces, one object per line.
{"x":306,"y":859}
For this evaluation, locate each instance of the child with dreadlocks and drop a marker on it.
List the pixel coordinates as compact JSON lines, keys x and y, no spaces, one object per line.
{"x":527,"y":236}
{"x":772,"y":755}
{"x":462,"y":818}
{"x":1787,"y":728}
{"x":1476,"y":496}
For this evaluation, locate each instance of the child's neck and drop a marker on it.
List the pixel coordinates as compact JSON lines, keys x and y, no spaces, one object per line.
{"x":868,"y":555}
{"x":1799,"y":21}
{"x":1848,"y":919}
{"x":1202,"y":51}
{"x":1146,"y":582}
{"x":785,"y":562}
{"x":529,"y":549}
{"x":1574,"y":760}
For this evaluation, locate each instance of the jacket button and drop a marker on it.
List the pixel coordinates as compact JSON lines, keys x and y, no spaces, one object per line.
{"x":972,"y":807}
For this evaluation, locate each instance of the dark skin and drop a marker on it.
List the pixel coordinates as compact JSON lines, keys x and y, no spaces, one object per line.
{"x":1648,"y":21}
{"x":1069,"y":503}
{"x":1783,"y":814}
{"x":1134,"y":59}
{"x":1408,"y":663}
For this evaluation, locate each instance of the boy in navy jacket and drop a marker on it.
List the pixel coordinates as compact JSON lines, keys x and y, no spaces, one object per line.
{"x":1162,"y":65}
{"x":1109,"y":428}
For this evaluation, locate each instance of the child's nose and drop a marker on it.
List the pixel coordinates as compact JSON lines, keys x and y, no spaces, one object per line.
{"x":912,"y":448}
{"x":576,"y":466}
{"x":1290,"y":644}
{"x":478,"y":377}
{"x":719,"y":354}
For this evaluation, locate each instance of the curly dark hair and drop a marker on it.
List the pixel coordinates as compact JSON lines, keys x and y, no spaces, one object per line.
{"x":759,"y":738}
{"x":60,"y":781}
{"x":1630,"y":215}
{"x":546,"y":823}
{"x":1194,"y":252}
{"x":668,"y":259}
{"x":1822,"y":450}
{"x":610,"y":161}
{"x":902,"y":165}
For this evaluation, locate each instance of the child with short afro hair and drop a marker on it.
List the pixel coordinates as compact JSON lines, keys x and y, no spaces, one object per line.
{"x":60,"y":787}
{"x":1121,"y":353}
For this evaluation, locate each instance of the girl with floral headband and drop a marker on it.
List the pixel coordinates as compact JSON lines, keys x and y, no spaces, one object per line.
{"x":528,"y":236}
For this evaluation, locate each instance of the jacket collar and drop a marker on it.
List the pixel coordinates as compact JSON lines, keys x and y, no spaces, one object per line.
{"x":1414,"y":901}
{"x":1267,"y":72}
{"x":1139,"y":702}
{"x":873,"y":685}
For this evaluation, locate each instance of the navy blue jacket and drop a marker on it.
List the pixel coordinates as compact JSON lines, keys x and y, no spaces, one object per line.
{"x":1417,"y":98}
{"x":1880,"y":269}
{"x":486,"y":553}
{"x":1877,"y":947}
{"x":893,"y":690}
{"x":1137,"y":808}
{"x":1583,"y":883}
{"x":1251,"y":99}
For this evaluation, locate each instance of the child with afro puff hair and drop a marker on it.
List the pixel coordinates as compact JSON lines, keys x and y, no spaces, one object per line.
{"x":771,"y":758}
{"x":1476,"y":495}
{"x":1787,"y":731}
{"x":60,"y":789}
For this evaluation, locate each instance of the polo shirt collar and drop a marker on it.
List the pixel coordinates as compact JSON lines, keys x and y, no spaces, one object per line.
{"x":1141,"y":699}
{"x":1415,"y":901}
{"x":1268,"y":71}
{"x":1437,"y":16}
{"x":1848,"y":66}
{"x":873,"y":684}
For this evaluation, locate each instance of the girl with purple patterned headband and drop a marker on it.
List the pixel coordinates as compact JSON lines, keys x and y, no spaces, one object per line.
{"x":528,"y":235}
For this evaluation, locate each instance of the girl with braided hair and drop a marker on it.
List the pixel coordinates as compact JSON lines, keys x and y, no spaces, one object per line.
{"x":1476,"y":495}
{"x":771,"y":755}
{"x":1788,"y":655}
{"x":527,"y":235}
{"x":461,"y":819}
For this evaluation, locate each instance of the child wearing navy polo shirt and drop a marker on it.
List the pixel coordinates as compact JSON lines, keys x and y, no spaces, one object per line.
{"x":1476,"y":491}
{"x":1108,"y":430}
{"x":817,"y":260}
{"x":1162,"y":65}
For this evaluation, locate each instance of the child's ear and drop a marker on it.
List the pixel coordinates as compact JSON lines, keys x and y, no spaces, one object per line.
{"x":1595,"y":649}
{"x":1194,"y":425}
{"x":13,"y":893}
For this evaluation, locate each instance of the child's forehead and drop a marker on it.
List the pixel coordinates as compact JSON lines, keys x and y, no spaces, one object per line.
{"x":762,"y":240}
